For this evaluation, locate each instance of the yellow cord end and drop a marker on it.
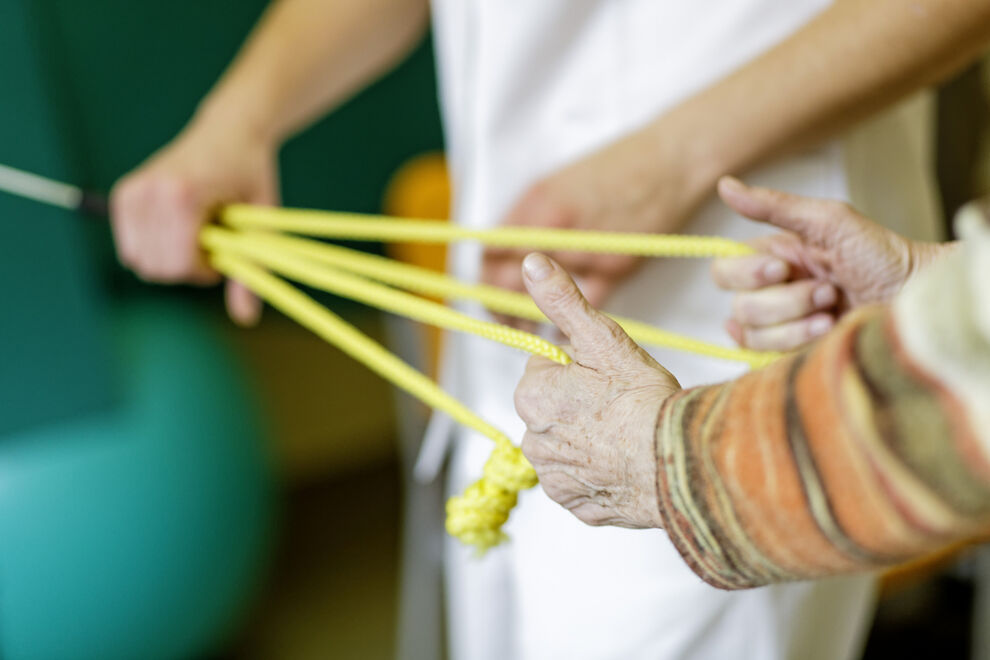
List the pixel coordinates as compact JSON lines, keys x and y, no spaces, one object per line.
{"x":476,"y":517}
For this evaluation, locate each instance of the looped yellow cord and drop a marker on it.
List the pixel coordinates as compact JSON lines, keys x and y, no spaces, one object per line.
{"x":377,"y":295}
{"x":310,"y":314}
{"x":359,"y":227}
{"x":512,"y":303}
{"x":477,"y":516}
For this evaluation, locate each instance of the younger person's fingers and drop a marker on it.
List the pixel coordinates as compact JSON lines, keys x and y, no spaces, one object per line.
{"x":205,"y":277}
{"x":243,"y":306}
{"x":595,"y":288}
{"x":503,"y":273}
{"x":122,"y":222}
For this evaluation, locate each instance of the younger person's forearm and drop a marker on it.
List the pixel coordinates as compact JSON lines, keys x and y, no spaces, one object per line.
{"x":307,"y":56}
{"x":854,"y":59}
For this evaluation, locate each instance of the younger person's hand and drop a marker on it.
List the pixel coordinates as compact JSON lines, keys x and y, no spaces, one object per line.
{"x":158,"y":209}
{"x":639,"y":183}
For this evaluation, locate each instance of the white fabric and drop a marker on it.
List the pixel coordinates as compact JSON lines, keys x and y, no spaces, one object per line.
{"x":528,"y":85}
{"x":943,"y":318}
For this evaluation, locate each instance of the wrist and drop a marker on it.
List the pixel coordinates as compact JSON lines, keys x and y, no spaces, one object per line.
{"x":661,"y":441}
{"x":923,"y":254}
{"x":223,"y":112}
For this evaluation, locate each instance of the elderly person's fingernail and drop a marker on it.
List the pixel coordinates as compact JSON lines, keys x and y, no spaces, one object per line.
{"x":775,"y":271}
{"x":820,"y":326}
{"x":537,"y":267}
{"x":824,"y":296}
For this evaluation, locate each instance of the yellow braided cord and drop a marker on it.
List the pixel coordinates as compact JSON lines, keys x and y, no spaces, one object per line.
{"x":370,"y":293}
{"x":477,"y":516}
{"x":430,"y":283}
{"x":354,"y":226}
{"x":310,"y":314}
{"x":652,"y":336}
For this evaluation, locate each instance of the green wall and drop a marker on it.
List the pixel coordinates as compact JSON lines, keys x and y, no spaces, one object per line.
{"x":52,"y":348}
{"x":92,"y":87}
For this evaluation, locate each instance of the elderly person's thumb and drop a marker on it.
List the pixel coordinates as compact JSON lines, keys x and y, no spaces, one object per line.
{"x":595,"y":338}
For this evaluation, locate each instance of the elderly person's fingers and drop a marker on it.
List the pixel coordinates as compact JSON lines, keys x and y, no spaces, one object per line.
{"x":593,"y":335}
{"x":782,"y":336}
{"x":748,"y":273}
{"x":783,"y":302}
{"x":808,"y":217}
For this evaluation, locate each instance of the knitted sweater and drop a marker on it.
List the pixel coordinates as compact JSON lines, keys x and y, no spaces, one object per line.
{"x":869,"y":448}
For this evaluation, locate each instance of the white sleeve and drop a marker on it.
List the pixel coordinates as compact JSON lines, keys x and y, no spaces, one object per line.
{"x":943,"y":316}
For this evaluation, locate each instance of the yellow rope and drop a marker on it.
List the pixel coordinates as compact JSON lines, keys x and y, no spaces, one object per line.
{"x":373,"y":294}
{"x":477,"y":516}
{"x":310,"y":314}
{"x":512,"y":303}
{"x":359,"y":227}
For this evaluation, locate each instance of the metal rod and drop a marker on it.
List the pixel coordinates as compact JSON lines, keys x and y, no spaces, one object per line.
{"x":39,"y":188}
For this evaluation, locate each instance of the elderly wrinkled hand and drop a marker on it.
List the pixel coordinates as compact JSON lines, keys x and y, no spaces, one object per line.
{"x":591,"y":424}
{"x":831,"y":259}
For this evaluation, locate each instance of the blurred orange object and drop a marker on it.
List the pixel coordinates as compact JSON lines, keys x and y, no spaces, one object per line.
{"x":421,"y":189}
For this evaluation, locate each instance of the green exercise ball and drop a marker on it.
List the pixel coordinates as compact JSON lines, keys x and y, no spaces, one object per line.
{"x":139,"y":532}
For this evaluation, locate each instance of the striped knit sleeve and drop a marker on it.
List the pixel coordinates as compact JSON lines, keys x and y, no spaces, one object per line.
{"x":868,"y":449}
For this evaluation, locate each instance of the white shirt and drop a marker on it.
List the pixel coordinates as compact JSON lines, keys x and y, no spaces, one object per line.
{"x":528,"y":86}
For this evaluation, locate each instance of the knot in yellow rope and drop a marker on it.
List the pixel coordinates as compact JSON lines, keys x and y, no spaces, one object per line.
{"x":260,"y":246}
{"x":477,"y":516}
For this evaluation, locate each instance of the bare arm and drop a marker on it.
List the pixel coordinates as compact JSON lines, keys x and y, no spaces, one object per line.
{"x":307,"y":56}
{"x":854,"y":59}
{"x":303,"y":58}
